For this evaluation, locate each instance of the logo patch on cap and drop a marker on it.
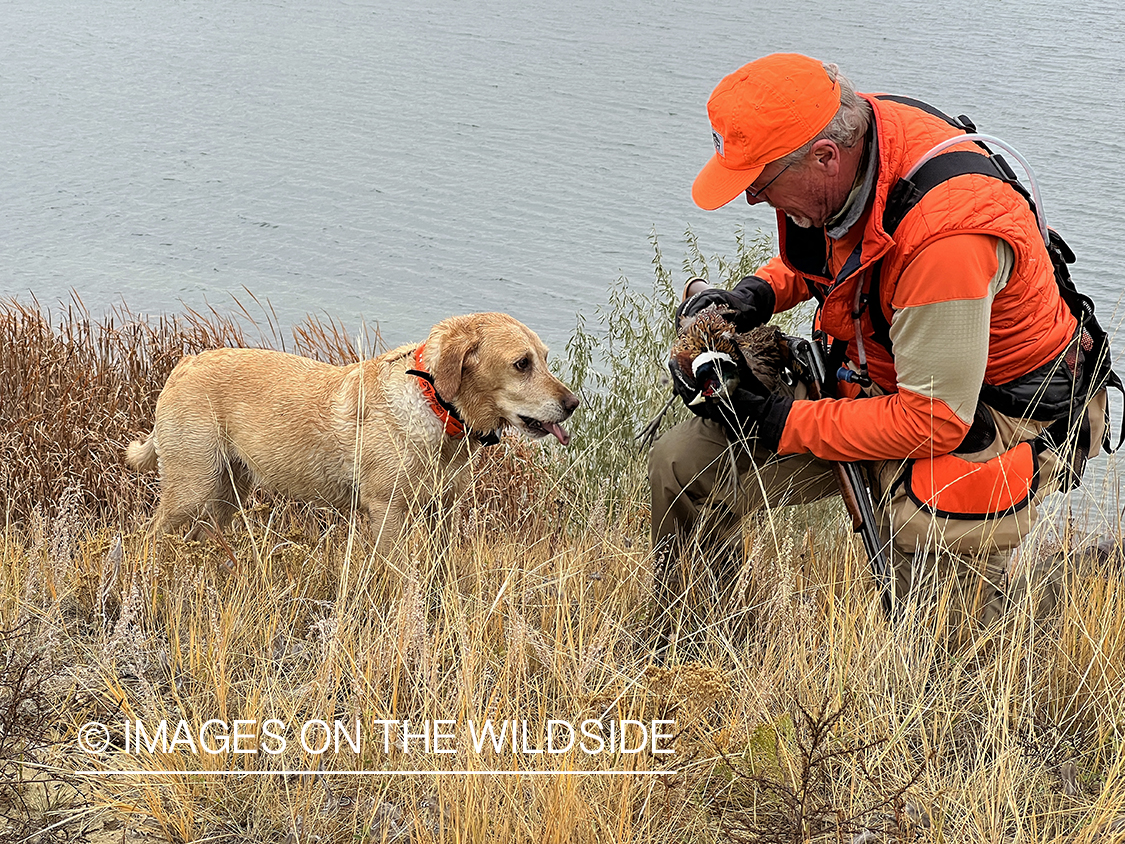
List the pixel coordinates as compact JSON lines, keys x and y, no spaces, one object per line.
{"x":718,"y":139}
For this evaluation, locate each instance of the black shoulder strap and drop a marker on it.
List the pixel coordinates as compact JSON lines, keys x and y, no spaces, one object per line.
{"x":941,"y":168}
{"x":961,"y":122}
{"x":907,"y":193}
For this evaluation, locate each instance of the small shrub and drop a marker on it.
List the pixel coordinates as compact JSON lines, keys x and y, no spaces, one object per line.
{"x":620,"y":369}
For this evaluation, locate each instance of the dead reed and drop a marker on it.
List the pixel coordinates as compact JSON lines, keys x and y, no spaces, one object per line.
{"x":819,"y":723}
{"x":75,"y":390}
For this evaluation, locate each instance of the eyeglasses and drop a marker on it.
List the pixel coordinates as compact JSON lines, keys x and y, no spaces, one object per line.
{"x":751,"y":193}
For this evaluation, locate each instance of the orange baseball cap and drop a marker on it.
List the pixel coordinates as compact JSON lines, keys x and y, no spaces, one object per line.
{"x":761,"y":112}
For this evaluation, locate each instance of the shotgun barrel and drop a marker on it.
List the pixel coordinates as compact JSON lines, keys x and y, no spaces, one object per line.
{"x":849,"y":476}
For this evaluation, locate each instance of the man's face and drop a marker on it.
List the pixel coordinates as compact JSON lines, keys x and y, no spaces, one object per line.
{"x":806,"y":192}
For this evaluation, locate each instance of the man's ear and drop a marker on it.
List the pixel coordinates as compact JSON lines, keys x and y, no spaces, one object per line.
{"x":455,"y":351}
{"x":826,"y":155}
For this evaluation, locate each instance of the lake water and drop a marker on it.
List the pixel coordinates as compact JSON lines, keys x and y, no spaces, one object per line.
{"x":397,"y":162}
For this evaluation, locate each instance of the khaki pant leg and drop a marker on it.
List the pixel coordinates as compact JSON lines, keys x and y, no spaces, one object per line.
{"x":1037,"y":585}
{"x":961,"y":593}
{"x":697,"y":495}
{"x":701,"y":487}
{"x":925,"y":575}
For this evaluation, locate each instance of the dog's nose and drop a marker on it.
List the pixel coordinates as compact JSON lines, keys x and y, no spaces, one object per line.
{"x":570,"y":403}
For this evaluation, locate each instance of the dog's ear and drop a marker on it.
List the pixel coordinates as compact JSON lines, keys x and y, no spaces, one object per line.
{"x":457,"y":349}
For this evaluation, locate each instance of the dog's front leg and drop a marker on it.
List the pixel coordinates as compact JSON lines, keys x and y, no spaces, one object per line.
{"x":386,"y":518}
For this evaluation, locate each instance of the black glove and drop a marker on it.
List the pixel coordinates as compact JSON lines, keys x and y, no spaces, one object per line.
{"x":752,"y":301}
{"x":747,"y":414}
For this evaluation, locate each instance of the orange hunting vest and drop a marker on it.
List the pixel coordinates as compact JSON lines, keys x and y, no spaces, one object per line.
{"x":1030,"y":324}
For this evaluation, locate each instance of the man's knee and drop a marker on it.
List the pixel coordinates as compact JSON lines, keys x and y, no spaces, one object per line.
{"x":680,"y":473}
{"x":683,"y":455}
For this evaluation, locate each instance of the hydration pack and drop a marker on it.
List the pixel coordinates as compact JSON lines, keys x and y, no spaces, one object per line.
{"x":1088,"y":359}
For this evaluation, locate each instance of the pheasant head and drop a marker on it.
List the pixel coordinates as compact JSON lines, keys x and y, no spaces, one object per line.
{"x":705,"y":355}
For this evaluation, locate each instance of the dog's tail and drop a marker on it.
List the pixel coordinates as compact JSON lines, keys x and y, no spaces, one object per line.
{"x":142,"y":455}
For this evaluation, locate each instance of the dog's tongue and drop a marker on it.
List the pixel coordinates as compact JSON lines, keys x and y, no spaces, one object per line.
{"x":558,"y":430}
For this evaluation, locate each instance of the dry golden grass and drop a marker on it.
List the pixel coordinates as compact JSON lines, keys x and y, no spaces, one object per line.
{"x":799,"y":714}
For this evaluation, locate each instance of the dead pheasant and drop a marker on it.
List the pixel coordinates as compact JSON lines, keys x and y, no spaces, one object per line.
{"x":713,"y":359}
{"x":705,"y":355}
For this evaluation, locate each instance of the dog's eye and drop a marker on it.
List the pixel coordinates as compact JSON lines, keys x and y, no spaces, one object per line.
{"x":523,"y":364}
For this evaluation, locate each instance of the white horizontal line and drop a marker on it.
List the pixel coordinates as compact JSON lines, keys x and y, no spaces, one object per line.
{"x":370,"y":773}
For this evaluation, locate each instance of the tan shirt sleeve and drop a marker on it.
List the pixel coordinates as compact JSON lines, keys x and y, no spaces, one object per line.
{"x":940,"y":331}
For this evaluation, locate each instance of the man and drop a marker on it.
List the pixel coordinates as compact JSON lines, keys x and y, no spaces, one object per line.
{"x":953,"y":327}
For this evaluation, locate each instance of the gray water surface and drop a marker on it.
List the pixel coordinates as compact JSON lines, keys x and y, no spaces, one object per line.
{"x":398,"y":162}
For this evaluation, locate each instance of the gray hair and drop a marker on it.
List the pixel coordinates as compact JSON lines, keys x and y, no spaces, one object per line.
{"x":849,"y":125}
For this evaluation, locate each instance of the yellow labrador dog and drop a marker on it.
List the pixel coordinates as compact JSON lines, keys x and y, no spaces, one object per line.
{"x":381,"y":436}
